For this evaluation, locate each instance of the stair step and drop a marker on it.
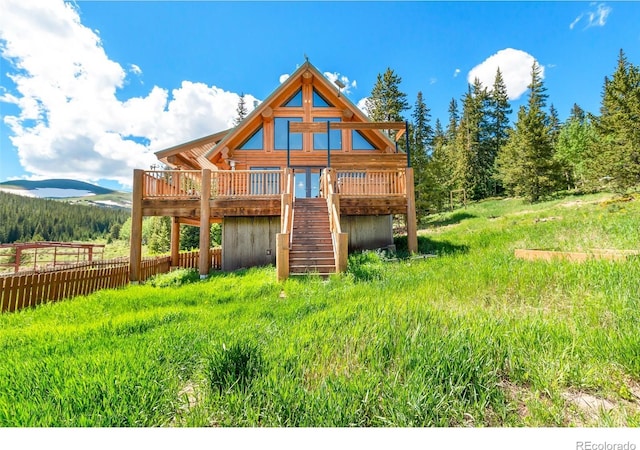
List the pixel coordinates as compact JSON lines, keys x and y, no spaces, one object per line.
{"x":312,"y":269}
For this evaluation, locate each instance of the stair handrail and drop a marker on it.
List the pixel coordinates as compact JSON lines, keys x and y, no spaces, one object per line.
{"x":338,"y":238}
{"x":286,"y":219}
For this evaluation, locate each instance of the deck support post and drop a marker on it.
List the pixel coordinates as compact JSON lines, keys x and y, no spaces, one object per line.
{"x":204,"y":262}
{"x":135,"y":244}
{"x":342,"y":258}
{"x":282,"y":255}
{"x":175,"y":241}
{"x":412,"y":229}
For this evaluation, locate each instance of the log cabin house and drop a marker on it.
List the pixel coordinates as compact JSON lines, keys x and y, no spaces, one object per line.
{"x":301,"y":181}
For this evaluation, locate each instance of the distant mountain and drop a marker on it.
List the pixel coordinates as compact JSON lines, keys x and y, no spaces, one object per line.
{"x":72,"y":191}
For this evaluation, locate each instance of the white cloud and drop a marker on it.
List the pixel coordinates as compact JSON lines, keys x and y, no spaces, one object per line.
{"x":595,"y":17}
{"x":456,"y":73}
{"x":362,"y":105}
{"x":70,"y":122}
{"x":284,"y":77}
{"x":433,"y":80}
{"x":515,"y":66}
{"x":335,"y":76}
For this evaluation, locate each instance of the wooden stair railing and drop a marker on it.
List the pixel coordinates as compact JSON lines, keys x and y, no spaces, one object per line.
{"x":339,"y":239}
{"x":283,"y":239}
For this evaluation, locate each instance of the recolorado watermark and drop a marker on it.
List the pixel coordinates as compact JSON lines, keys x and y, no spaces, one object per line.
{"x":589,"y":445}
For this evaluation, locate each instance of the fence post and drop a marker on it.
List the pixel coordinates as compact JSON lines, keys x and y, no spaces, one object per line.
{"x":205,"y":211}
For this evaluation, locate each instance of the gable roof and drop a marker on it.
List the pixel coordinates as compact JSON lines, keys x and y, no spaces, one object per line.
{"x":202,"y":152}
{"x":192,"y":153}
{"x":294,"y":79}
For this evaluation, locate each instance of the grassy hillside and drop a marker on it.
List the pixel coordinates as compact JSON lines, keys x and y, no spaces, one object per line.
{"x":57,"y":184}
{"x":472,"y":337}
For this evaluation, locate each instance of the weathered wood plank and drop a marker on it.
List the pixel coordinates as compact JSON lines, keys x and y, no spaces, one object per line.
{"x":548,"y":255}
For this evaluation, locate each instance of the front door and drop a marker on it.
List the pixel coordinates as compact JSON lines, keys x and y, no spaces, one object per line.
{"x":307,"y":181}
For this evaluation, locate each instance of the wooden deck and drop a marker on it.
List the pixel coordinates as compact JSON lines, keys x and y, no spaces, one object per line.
{"x":178,"y":193}
{"x":207,"y":196}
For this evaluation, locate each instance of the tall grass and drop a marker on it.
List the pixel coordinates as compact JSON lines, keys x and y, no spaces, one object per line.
{"x":473,"y":337}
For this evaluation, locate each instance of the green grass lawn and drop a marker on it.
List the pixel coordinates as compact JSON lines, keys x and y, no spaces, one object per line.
{"x":472,"y":337}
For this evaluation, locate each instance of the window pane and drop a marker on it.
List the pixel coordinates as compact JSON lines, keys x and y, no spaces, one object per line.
{"x":319,"y":101}
{"x":359,"y":142}
{"x":295,"y":101}
{"x":254,"y":142}
{"x":320,"y":139}
{"x":280,"y":134}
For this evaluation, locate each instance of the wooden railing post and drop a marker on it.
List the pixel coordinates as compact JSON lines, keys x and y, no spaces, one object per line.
{"x":205,"y":212}
{"x":175,"y":241}
{"x":342,"y":254}
{"x":412,"y":228}
{"x":135,"y":244}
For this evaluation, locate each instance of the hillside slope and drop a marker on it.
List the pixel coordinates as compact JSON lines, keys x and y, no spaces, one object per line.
{"x":472,"y":337}
{"x":69,"y":190}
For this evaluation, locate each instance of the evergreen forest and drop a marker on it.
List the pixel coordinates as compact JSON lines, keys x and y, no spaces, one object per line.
{"x":481,"y":153}
{"x":24,"y":219}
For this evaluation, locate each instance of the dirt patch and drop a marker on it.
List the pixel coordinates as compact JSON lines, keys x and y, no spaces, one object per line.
{"x":546,"y":219}
{"x":585,"y":409}
{"x":189,"y":398}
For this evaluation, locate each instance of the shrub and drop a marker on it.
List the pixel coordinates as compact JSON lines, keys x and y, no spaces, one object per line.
{"x":175,"y":278}
{"x":234,"y":367}
{"x":366,"y":266}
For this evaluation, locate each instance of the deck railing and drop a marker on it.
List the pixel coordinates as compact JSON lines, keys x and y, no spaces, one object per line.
{"x":171,"y":184}
{"x":187,"y":184}
{"x":370,"y":182}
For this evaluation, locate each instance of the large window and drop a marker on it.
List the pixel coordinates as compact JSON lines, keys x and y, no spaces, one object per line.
{"x":280,"y":134}
{"x":255,"y":141}
{"x":359,"y":142}
{"x":320,"y":139}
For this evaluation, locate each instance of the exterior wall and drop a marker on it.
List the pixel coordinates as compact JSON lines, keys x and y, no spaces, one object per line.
{"x":249,"y":241}
{"x":368,"y":232}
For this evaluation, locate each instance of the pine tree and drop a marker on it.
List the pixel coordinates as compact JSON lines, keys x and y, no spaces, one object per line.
{"x":473,"y":161}
{"x":454,"y":119}
{"x":499,"y":120}
{"x":618,"y":127}
{"x":387,"y":102}
{"x":554,"y":124}
{"x":241,"y":110}
{"x":439,"y":170}
{"x":421,"y":141}
{"x":526,"y":165}
{"x":575,"y":149}
{"x":577,"y":113}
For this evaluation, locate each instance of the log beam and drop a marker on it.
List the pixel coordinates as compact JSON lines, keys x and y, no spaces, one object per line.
{"x":135,"y":244}
{"x":412,"y":228}
{"x":175,"y":240}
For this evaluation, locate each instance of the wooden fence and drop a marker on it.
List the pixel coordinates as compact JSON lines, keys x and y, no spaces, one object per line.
{"x":30,"y":289}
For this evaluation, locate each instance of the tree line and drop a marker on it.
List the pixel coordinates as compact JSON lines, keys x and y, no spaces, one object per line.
{"x":481,"y":152}
{"x":24,"y":219}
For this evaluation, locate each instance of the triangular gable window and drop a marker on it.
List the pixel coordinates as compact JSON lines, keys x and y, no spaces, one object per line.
{"x":255,"y":142}
{"x":319,"y":101}
{"x":359,"y":142}
{"x":294,"y":101}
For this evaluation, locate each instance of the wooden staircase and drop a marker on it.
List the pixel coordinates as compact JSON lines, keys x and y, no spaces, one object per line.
{"x":311,"y":245}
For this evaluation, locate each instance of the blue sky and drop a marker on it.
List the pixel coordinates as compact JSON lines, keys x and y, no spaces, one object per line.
{"x":90,"y":90}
